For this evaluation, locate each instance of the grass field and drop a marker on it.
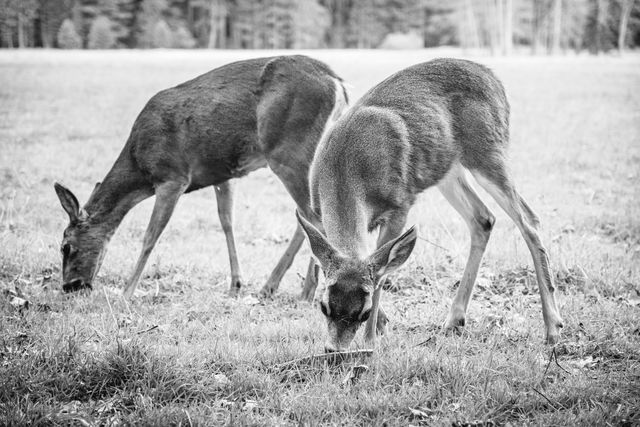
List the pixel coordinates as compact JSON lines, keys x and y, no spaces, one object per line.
{"x":184,"y":353}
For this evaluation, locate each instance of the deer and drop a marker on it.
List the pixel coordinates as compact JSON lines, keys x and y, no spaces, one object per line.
{"x":440,"y":123}
{"x":205,"y":132}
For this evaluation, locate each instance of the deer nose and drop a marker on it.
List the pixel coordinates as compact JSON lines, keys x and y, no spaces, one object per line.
{"x":75,"y":285}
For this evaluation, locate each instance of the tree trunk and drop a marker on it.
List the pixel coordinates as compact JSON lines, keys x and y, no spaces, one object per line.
{"x":507,"y":35}
{"x":470,"y":38}
{"x":491,"y":24}
{"x":557,"y":26}
{"x":539,"y":27}
{"x":213,"y":21}
{"x":217,"y":24}
{"x":625,"y":11}
{"x":21,"y":43}
{"x":499,"y":20}
{"x":9,"y":37}
{"x":45,"y":34}
{"x":597,"y":37}
{"x":339,"y":24}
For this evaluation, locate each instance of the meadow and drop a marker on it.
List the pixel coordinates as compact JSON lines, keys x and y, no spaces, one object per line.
{"x":184,"y":353}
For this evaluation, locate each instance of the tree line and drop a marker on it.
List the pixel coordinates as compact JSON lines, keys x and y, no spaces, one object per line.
{"x":544,"y":26}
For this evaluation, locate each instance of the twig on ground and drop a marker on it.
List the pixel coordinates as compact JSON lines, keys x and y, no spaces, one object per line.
{"x":333,"y":358}
{"x":425,"y":342}
{"x":553,"y":357}
{"x":147,"y":330}
{"x":548,"y":400}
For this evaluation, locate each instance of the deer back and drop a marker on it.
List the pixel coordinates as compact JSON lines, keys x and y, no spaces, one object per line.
{"x":402,"y":137}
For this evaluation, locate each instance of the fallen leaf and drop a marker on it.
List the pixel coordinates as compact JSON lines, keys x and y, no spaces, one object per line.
{"x":19,"y":303}
{"x":221,"y":379}
{"x":418,"y":413}
{"x":250,"y":300}
{"x":250,"y":405}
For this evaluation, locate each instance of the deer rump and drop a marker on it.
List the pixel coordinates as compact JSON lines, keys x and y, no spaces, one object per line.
{"x":227,"y":122}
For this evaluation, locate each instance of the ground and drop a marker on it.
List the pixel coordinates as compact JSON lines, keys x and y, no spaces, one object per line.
{"x":182,"y":352}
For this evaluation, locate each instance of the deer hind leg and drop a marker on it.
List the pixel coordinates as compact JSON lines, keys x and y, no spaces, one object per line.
{"x":273,"y":282}
{"x":460,"y":194}
{"x":224,"y":197}
{"x":292,"y":168}
{"x":167,"y":195}
{"x":497,"y":182}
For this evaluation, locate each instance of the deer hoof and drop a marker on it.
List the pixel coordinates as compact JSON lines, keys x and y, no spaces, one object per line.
{"x":266,"y":292}
{"x":234,"y":289}
{"x":454,"y":325}
{"x":553,"y":334}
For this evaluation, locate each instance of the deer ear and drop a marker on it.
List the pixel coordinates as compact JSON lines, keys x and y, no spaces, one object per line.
{"x":390,"y":256}
{"x":68,"y":201}
{"x":321,"y":248}
{"x":95,"y":188}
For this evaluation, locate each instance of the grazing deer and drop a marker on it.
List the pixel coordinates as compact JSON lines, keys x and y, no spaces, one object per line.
{"x":427,"y":125}
{"x":218,"y":126}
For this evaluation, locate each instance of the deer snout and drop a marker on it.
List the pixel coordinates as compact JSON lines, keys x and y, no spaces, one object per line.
{"x":75,"y":285}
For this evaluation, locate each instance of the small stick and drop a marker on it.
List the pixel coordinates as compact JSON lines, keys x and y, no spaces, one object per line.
{"x":420,"y":344}
{"x":147,"y":330}
{"x":555,"y":356}
{"x":328,"y":357}
{"x":547,"y":399}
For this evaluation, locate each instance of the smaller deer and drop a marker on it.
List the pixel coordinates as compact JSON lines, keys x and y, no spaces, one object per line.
{"x":428,"y":125}
{"x":221,"y":125}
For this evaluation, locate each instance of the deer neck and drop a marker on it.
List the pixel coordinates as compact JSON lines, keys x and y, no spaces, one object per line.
{"x":121,"y":190}
{"x":345,"y":223}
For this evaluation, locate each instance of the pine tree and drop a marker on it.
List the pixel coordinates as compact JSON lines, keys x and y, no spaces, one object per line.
{"x":150,"y":14}
{"x":101,"y":35}
{"x":162,"y":37}
{"x":68,"y":38}
{"x":311,"y":22}
{"x":182,"y":38}
{"x":51,"y":15}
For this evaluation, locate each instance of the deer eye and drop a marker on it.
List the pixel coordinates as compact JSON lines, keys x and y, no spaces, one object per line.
{"x":323,"y":308}
{"x":66,"y":249}
{"x":364,"y":316}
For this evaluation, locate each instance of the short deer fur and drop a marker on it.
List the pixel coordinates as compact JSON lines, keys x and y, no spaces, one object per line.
{"x":427,"y":125}
{"x":218,"y":126}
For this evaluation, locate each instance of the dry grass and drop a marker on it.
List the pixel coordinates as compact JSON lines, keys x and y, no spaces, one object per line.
{"x":184,"y":353}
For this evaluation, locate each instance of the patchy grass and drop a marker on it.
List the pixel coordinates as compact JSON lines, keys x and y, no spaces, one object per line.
{"x":184,"y":353}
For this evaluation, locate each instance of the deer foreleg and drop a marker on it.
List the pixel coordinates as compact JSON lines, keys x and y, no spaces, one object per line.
{"x":283,"y":265}
{"x":378,"y":319}
{"x":167,"y":195}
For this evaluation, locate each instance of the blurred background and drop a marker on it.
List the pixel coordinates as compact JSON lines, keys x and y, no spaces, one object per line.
{"x":495,"y":26}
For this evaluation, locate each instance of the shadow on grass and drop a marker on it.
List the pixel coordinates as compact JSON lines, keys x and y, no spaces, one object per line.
{"x":124,"y":384}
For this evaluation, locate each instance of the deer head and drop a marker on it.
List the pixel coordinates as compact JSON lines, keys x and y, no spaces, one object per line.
{"x":83,"y":244}
{"x":350,"y":282}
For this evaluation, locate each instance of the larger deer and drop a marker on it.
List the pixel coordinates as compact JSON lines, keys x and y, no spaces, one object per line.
{"x":428,"y":125}
{"x":218,"y":126}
